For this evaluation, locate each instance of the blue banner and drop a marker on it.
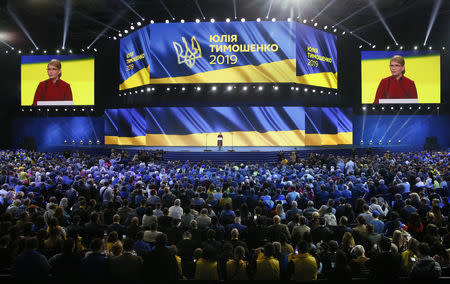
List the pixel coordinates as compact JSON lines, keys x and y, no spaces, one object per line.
{"x":234,"y":52}
{"x":316,"y":55}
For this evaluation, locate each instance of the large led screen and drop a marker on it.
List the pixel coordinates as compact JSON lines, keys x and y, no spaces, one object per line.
{"x":397,"y":77}
{"x":55,"y":80}
{"x":239,"y":126}
{"x":221,"y":52}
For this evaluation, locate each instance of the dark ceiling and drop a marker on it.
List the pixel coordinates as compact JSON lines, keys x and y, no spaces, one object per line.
{"x":44,"y":19}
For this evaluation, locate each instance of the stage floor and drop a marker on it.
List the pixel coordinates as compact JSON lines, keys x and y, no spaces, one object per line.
{"x":396,"y":148}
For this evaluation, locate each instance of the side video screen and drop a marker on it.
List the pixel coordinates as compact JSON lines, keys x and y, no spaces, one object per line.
{"x":57,"y":80}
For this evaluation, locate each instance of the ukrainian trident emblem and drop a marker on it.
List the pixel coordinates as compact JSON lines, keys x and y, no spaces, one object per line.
{"x":188,"y":55}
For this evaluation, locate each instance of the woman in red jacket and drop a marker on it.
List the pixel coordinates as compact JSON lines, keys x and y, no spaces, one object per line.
{"x":396,"y":86}
{"x":53,"y":89}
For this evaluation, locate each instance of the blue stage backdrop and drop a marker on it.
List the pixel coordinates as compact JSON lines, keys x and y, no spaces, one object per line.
{"x":411,"y":130}
{"x":240,"y":126}
{"x":52,"y":131}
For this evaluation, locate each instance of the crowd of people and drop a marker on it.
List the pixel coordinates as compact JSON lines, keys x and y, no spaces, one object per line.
{"x":132,"y":217}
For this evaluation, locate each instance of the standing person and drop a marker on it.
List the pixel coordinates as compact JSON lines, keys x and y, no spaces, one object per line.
{"x":53,"y":89}
{"x":396,"y":86}
{"x":220,"y":141}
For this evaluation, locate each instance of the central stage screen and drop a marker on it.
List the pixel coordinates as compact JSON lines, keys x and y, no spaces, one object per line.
{"x":240,"y":126}
{"x":235,"y":52}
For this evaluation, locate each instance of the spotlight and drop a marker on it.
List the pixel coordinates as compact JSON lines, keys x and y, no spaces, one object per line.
{"x":260,"y":88}
{"x":227,"y":20}
{"x":243,"y":20}
{"x":45,"y":51}
{"x":183,"y":89}
{"x":65,"y":141}
{"x":443,"y":48}
{"x":125,"y":31}
{"x":364,"y":108}
{"x":73,"y":142}
{"x":382,"y":108}
{"x":429,"y":48}
{"x":81,"y":142}
{"x":95,"y":49}
{"x":199,"y":88}
{"x":120,"y":35}
{"x":437,"y":107}
{"x":315,"y":24}
{"x":197,"y":21}
{"x":361,"y":142}
{"x":410,"y":107}
{"x":373,"y":46}
{"x":370,"y":142}
{"x":360,"y":46}
{"x":326,"y":27}
{"x":343,"y":33}
{"x":401,"y":47}
{"x":212,"y":20}
{"x":258,"y":20}
{"x":399,"y":141}
{"x":292,"y":88}
{"x":401,"y":108}
{"x":182,"y":21}
{"x":297,"y":88}
{"x":139,"y":24}
{"x":389,"y":142}
{"x":428,"y":107}
{"x":132,"y":28}
{"x":379,"y":142}
{"x":213,"y":88}
{"x":152,"y":22}
{"x":388,"y":47}
{"x":168,"y":89}
{"x":57,"y":51}
{"x":306,"y":89}
{"x":321,"y":91}
{"x":274,"y":20}
{"x":90,"y":142}
{"x":98,"y":142}
{"x":373,"y":108}
{"x":304,"y":21}
{"x":148,"y":89}
{"x":167,"y":21}
{"x":314,"y":90}
{"x":289,"y":19}
{"x":276,"y":88}
{"x":244,"y":88}
{"x":32,"y":52}
{"x":229,"y":88}
{"x":335,"y":30}
{"x":392,"y":107}
{"x":92,"y":109}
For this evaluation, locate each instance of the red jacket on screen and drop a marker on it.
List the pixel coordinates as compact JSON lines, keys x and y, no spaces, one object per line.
{"x":49,"y":91}
{"x":391,"y":88}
